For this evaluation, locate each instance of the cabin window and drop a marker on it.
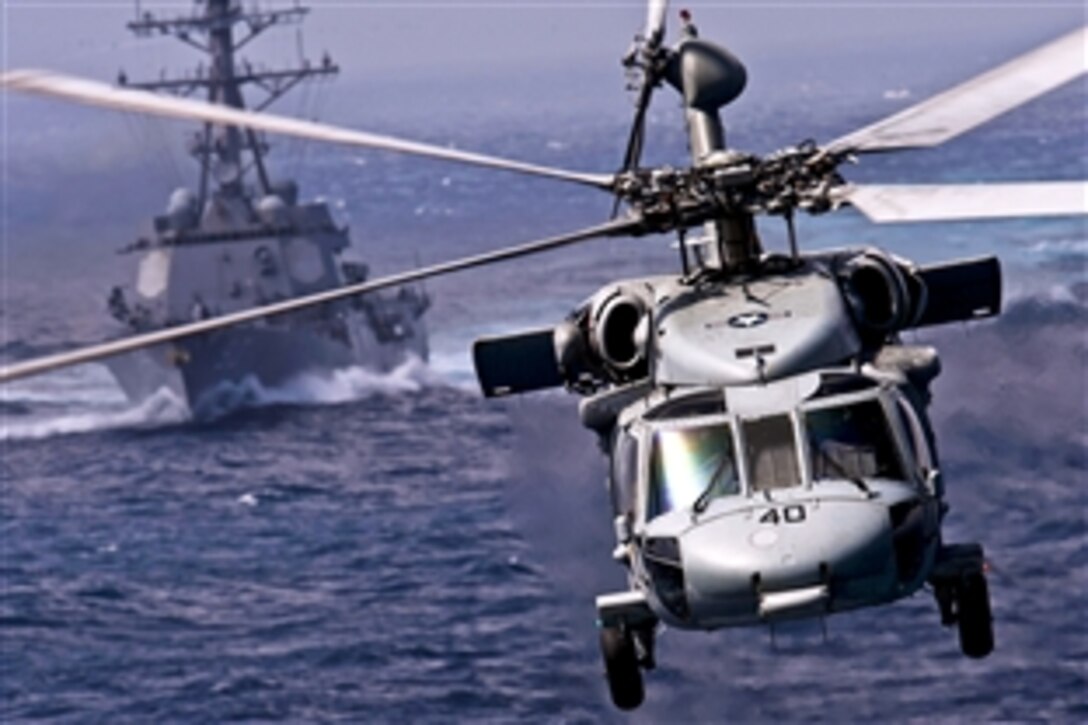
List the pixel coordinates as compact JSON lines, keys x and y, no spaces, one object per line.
{"x":852,"y":441}
{"x":771,"y":450}
{"x":687,"y":464}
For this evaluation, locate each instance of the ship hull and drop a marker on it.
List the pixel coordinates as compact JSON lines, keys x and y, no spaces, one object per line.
{"x":221,"y":372}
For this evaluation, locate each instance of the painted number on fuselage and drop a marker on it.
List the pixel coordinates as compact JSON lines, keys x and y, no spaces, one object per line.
{"x":794,"y":514}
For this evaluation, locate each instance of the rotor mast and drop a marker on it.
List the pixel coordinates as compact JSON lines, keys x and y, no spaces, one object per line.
{"x":221,"y":150}
{"x":709,"y":78}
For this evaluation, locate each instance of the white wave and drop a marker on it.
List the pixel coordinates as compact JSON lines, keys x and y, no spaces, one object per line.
{"x":1063,"y":294}
{"x":455,"y":369}
{"x":86,"y":385}
{"x":1048,"y":292}
{"x":162,"y":408}
{"x":451,"y":358}
{"x":343,"y":385}
{"x":346,"y":384}
{"x":100,"y":405}
{"x":1059,"y":246}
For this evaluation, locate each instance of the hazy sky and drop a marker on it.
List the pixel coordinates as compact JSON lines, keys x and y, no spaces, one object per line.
{"x":438,"y":37}
{"x":437,"y":59}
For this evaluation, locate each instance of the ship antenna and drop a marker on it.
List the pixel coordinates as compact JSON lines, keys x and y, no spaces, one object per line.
{"x":221,"y":150}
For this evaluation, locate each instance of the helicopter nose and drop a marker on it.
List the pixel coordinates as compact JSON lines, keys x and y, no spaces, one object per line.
{"x":788,"y":561}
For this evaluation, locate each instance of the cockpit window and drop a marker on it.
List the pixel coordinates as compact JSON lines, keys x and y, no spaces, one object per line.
{"x":771,"y":450}
{"x":689,"y":464}
{"x":852,"y":441}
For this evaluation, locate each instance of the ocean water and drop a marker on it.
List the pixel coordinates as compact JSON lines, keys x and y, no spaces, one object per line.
{"x":374,"y":548}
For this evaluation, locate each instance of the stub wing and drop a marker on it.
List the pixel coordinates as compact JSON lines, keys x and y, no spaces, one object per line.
{"x":517,"y":363}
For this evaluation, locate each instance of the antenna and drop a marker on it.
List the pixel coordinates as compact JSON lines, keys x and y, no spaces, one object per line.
{"x":211,"y":30}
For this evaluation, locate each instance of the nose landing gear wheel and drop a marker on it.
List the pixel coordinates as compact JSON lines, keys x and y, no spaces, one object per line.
{"x":622,"y":668}
{"x":974,"y":617}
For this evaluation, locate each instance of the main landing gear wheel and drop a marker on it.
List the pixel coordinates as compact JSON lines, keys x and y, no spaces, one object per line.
{"x":959,"y":583}
{"x":976,"y":624}
{"x":622,"y":667}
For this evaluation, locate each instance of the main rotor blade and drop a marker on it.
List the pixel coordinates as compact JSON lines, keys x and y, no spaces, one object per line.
{"x":655,"y":21}
{"x":981,"y":99}
{"x":948,"y":202}
{"x":93,"y":93}
{"x":36,"y":366}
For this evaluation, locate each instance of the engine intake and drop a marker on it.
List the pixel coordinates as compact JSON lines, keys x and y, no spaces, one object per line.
{"x":883,"y":296}
{"x":618,"y":334}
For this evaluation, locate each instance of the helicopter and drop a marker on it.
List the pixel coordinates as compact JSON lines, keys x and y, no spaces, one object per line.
{"x":770,"y":452}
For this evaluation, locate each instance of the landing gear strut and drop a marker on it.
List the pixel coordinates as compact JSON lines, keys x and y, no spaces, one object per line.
{"x":959,"y":584}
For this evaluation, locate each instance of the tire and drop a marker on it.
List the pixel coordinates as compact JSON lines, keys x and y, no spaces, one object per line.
{"x":976,"y":625}
{"x":621,"y":666}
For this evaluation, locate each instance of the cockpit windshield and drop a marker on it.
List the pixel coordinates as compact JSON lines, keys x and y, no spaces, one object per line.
{"x":852,"y":441}
{"x":771,"y":449}
{"x":689,"y":464}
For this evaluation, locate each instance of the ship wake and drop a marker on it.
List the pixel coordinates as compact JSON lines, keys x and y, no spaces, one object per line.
{"x":25,"y":418}
{"x":87,"y":400}
{"x":344,"y":385}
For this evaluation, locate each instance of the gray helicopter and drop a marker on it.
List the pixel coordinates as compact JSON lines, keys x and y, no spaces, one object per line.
{"x":770,"y":452}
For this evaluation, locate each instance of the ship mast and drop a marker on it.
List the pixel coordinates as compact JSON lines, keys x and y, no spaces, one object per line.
{"x":222,"y":150}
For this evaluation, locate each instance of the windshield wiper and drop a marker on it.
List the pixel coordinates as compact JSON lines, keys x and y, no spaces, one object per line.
{"x":704,"y":498}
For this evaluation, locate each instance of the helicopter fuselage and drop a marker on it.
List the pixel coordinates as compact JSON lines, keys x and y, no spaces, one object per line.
{"x":729,"y":513}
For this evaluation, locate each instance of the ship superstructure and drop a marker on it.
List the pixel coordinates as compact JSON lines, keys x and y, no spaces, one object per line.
{"x":242,"y":239}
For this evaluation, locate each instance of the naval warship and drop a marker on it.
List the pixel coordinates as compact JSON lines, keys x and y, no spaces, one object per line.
{"x":242,"y":239}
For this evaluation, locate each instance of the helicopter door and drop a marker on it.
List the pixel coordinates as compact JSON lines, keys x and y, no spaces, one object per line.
{"x":770,"y":449}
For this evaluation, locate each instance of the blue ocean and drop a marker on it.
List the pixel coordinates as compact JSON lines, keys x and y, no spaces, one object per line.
{"x":394,"y":548}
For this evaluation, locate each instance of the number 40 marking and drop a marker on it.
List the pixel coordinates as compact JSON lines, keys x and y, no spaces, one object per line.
{"x":794,"y":514}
